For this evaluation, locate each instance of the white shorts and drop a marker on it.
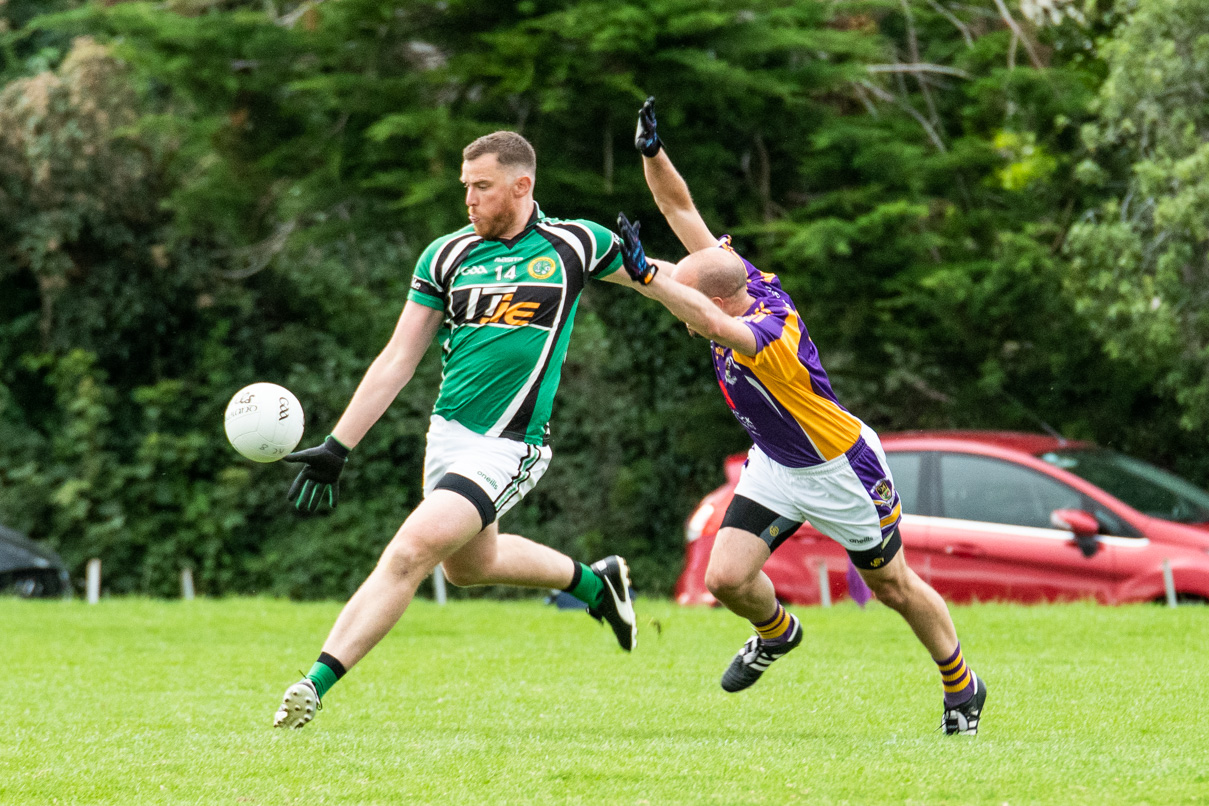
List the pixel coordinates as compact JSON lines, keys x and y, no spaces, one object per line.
{"x":492,"y":472}
{"x":851,"y":498}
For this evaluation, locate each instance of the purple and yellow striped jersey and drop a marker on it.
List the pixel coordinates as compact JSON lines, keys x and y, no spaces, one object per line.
{"x":782,"y":395}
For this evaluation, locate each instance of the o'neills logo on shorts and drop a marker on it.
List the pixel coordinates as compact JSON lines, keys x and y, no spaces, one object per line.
{"x":487,"y":479}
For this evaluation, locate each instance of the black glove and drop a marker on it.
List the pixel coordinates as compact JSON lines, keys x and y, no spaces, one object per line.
{"x":645,"y":139}
{"x":632,"y":255}
{"x":320,"y":479}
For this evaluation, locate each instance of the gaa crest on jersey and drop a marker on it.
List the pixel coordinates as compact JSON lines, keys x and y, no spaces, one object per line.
{"x":541,"y":268}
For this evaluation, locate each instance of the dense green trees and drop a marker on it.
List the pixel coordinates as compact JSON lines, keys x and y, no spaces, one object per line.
{"x":1139,"y":267}
{"x":197,"y":195}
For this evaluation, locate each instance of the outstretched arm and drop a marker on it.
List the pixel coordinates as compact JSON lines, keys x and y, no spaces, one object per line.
{"x":667,"y":186}
{"x":698,"y":311}
{"x":389,"y":372}
{"x":653,"y":278}
{"x":319,"y":480}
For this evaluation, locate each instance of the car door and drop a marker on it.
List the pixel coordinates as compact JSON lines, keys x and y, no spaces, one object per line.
{"x":991,"y":536}
{"x":910,"y":471}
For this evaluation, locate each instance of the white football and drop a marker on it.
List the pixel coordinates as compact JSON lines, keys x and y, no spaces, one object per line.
{"x":264,"y":422}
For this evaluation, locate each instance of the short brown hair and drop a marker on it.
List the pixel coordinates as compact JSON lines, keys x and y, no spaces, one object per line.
{"x":511,"y":149}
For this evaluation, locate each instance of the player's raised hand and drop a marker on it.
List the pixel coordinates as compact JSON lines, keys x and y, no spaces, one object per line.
{"x":319,"y":481}
{"x":645,"y":138}
{"x":632,"y":254}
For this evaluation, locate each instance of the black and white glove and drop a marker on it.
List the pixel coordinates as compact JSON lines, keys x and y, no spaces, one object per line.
{"x":632,"y":254}
{"x":319,"y":481}
{"x":646,"y":139}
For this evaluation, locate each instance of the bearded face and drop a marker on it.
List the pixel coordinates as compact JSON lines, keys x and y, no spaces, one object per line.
{"x":497,"y":201}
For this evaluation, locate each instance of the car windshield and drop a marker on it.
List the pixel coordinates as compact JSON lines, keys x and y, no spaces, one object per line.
{"x":1144,"y":487}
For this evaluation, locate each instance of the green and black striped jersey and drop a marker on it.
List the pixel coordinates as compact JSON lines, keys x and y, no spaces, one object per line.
{"x":509,"y":307}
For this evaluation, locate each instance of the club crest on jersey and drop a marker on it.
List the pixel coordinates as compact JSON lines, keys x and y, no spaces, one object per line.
{"x":730,"y":364}
{"x":541,"y":268}
{"x":884,"y":492}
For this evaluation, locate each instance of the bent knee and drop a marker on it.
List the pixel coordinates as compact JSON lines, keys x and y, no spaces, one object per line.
{"x":725,"y":582}
{"x":894,"y":593}
{"x":405,"y":558}
{"x":462,"y":575}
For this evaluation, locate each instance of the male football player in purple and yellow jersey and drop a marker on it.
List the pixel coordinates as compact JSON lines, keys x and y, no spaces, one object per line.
{"x":812,"y":460}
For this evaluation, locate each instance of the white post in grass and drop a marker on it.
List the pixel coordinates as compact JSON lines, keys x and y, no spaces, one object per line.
{"x":1169,"y":582}
{"x":824,"y":585}
{"x":187,"y":584}
{"x":438,"y":583}
{"x":93,"y":581}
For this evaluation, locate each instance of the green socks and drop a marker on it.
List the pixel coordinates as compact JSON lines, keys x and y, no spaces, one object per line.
{"x":324,"y":674}
{"x":585,"y":585}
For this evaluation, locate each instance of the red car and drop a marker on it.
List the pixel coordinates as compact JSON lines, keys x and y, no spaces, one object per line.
{"x":996,"y":515}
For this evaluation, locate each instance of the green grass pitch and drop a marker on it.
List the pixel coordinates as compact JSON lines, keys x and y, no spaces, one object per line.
{"x":146,"y":702}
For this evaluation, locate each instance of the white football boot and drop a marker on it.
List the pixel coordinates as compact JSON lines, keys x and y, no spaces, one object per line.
{"x":298,"y":706}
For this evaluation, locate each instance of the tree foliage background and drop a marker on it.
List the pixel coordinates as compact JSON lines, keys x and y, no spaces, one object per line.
{"x":991,"y":214}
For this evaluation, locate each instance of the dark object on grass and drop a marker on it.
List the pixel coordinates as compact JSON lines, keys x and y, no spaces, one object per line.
{"x":28,"y":570}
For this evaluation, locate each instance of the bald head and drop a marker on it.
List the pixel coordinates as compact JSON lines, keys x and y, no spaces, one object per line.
{"x":715,"y":272}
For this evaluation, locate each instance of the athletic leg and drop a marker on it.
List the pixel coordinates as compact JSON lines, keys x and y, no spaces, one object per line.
{"x":901,"y":589}
{"x":735,"y":578}
{"x":492,"y":558}
{"x":439,"y":526}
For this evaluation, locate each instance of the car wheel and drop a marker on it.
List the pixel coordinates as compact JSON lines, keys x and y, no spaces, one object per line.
{"x":27,"y":588}
{"x":30,"y":584}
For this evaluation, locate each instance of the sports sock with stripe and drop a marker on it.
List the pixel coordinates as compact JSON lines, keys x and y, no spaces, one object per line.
{"x":324,"y":674}
{"x":957,"y":678}
{"x":776,"y":629}
{"x":585,"y":585}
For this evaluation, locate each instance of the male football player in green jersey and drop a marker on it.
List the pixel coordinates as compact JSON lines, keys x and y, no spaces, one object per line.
{"x":501,"y":295}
